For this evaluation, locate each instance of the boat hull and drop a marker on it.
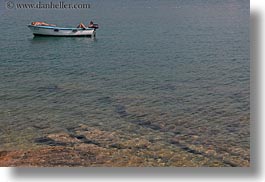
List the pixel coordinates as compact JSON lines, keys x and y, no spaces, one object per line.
{"x":61,"y":32}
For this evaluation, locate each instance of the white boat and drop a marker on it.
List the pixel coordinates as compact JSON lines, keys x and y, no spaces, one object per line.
{"x":61,"y":32}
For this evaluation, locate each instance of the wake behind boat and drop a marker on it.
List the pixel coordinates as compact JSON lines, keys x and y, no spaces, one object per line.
{"x":43,"y":29}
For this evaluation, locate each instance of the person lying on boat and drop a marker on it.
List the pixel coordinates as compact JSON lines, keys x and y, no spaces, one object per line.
{"x":81,"y":25}
{"x":38,"y":23}
{"x":92,"y":25}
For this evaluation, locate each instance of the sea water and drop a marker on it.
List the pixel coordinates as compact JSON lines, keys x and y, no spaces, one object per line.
{"x":168,"y":68}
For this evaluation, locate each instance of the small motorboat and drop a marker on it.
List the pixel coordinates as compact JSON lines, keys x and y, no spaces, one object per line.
{"x":42,"y":30}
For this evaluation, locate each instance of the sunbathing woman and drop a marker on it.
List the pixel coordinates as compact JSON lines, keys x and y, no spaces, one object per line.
{"x":37,"y":23}
{"x":81,"y":25}
{"x":92,"y":25}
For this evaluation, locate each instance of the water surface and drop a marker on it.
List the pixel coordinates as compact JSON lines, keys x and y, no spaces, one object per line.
{"x":173,"y":69}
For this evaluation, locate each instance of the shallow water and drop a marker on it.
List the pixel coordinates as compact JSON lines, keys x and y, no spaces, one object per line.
{"x":176,"y":70}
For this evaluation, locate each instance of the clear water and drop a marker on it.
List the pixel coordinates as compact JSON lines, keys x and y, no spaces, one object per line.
{"x":183,"y":66}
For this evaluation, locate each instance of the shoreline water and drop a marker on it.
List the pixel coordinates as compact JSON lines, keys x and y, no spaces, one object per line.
{"x":87,"y":146}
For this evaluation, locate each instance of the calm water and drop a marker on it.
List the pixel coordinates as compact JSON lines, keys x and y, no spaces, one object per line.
{"x":182,"y":67}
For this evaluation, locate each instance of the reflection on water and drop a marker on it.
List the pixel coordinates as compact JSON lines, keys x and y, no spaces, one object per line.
{"x":37,"y":39}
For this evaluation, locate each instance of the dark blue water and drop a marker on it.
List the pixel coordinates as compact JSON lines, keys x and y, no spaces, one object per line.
{"x":183,"y":66}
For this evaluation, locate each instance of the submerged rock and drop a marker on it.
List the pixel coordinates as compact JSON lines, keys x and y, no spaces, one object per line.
{"x":48,"y":141}
{"x":90,"y":146}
